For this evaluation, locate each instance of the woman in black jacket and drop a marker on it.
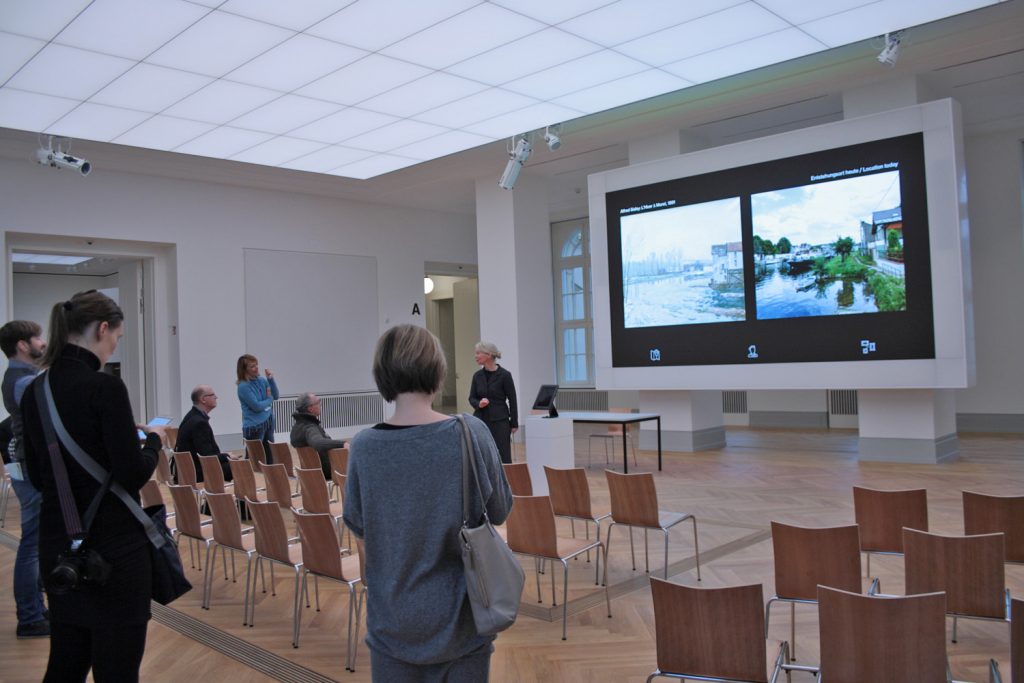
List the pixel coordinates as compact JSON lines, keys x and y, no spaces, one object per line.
{"x":492,"y":393}
{"x":102,"y":627}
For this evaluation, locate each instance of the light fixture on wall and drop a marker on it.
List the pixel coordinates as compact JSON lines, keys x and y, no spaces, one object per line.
{"x":519,"y":151}
{"x":891,"y":52}
{"x":55,"y":152}
{"x":551,"y":137}
{"x":428,"y":285}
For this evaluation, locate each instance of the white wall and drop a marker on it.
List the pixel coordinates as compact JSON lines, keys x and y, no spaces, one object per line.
{"x":38,"y":292}
{"x":201,"y":327}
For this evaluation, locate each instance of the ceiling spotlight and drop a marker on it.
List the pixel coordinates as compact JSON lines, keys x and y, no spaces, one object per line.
{"x":53,"y":154}
{"x":551,"y":138}
{"x":891,"y":52}
{"x":519,"y":151}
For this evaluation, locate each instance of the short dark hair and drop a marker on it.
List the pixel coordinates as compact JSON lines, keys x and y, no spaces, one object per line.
{"x":16,"y":331}
{"x":408,"y":359}
{"x":74,"y":316}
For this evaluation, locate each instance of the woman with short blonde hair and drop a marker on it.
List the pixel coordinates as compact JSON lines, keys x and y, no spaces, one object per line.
{"x":492,"y":393}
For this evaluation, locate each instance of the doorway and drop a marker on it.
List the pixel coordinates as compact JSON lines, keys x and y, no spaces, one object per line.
{"x":453,"y":316}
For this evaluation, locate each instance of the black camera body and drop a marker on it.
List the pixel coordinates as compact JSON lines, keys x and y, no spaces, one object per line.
{"x":77,"y":566}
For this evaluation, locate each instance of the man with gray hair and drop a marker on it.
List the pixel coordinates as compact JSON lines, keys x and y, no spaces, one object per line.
{"x":195,"y":434}
{"x":307,"y":430}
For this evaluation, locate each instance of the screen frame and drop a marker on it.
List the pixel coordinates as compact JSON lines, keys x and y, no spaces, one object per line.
{"x":546,"y":396}
{"x":953,"y":363}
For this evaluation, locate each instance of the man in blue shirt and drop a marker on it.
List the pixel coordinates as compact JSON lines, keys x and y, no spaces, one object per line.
{"x":22,"y":343}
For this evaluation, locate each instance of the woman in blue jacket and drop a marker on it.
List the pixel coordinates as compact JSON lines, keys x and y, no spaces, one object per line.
{"x":257,"y":395}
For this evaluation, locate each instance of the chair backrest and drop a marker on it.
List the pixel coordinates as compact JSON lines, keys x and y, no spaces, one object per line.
{"x":881,"y":516}
{"x":339,"y":480}
{"x":308,"y":457}
{"x":150,"y":494}
{"x":616,"y":429}
{"x":338,"y":457}
{"x":186,"y":468}
{"x":986,"y":514}
{"x":1017,"y":639}
{"x":255,"y":453}
{"x":278,"y":489}
{"x":531,"y":526}
{"x":172,"y":437}
{"x":569,"y":491}
{"x":874,"y":638}
{"x":321,"y":553}
{"x":711,"y":632}
{"x":634,"y":498}
{"x":271,"y":535}
{"x":518,"y":476}
{"x":213,"y":473}
{"x":163,"y":468}
{"x":227,"y":527}
{"x":314,"y":490}
{"x":808,"y":556}
{"x":281,"y":452}
{"x":244,"y":480}
{"x":969,"y":569}
{"x":186,"y":510}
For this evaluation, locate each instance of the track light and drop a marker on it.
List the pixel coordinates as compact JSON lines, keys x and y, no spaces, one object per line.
{"x":56,"y":157}
{"x":519,"y":151}
{"x":891,"y":52}
{"x":551,"y":138}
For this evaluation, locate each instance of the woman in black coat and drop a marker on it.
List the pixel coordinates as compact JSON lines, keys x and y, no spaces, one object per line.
{"x":102,"y":627}
{"x":492,"y":393}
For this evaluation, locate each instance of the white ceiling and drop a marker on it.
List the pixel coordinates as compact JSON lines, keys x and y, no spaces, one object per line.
{"x":360,"y":88}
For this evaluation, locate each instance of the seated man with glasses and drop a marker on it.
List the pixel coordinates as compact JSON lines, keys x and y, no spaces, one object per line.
{"x":307,"y":430}
{"x":195,"y":434}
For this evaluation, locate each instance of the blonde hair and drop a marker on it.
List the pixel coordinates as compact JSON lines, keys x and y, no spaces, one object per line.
{"x":408,"y":360}
{"x":487,"y":347}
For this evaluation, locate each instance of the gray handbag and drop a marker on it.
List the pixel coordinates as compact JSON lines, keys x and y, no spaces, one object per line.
{"x":494,"y":578}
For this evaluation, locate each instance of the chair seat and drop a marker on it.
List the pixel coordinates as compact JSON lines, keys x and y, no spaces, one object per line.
{"x":567,"y":547}
{"x":206,"y":532}
{"x":667,"y":518}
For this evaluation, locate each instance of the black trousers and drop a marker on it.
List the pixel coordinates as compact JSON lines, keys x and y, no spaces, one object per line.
{"x":114,"y":653}
{"x":501,"y":430}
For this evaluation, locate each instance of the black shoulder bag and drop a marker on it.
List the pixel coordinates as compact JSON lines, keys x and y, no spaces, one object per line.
{"x":169,"y":581}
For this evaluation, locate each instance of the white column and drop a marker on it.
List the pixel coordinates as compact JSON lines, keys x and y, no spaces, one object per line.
{"x":907,"y":425}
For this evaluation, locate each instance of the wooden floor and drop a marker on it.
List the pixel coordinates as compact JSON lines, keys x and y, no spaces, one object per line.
{"x":795,"y":476}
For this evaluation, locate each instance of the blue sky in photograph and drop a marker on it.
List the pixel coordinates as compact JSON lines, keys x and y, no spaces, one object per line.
{"x":688,"y":230}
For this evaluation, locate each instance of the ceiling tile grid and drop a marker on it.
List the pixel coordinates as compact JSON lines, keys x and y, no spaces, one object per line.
{"x":359,"y":88}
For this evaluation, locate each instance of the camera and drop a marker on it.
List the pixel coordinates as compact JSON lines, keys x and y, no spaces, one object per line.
{"x":58,"y":159}
{"x":77,"y":566}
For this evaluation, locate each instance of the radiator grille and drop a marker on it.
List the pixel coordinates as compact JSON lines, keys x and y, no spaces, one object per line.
{"x":842,"y":401}
{"x":582,"y":399}
{"x":337,"y":410}
{"x":734,"y":402}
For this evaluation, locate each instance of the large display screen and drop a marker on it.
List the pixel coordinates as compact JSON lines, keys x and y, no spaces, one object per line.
{"x":816,"y":257}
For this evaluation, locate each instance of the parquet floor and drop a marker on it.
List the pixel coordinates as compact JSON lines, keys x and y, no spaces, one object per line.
{"x":795,"y":476}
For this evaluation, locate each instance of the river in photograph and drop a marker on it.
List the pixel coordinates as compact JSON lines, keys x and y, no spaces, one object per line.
{"x":794,"y":296}
{"x":679,"y":300}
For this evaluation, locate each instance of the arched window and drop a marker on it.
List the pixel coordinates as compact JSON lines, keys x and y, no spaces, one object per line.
{"x":573,"y":318}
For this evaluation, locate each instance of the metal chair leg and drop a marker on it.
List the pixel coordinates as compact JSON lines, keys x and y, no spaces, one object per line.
{"x":696,"y":547}
{"x":565,"y":595}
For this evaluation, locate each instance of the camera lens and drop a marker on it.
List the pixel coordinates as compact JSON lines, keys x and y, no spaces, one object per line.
{"x":62,"y":579}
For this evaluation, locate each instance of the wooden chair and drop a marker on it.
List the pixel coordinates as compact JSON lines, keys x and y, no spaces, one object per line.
{"x":531,"y":531}
{"x":339,"y":480}
{"x":213,"y":475}
{"x":806,"y":557}
{"x":518,"y":476}
{"x":281,"y":453}
{"x":229,"y":534}
{"x":255,"y":453}
{"x":274,"y":546}
{"x":150,"y":494}
{"x":711,"y":634}
{"x":1017,"y":640}
{"x":872,"y":638}
{"x":987,"y":514}
{"x":969,"y":569}
{"x":187,"y":520}
{"x":308,"y":458}
{"x":612,"y":436}
{"x":163,"y":467}
{"x":186,"y":469}
{"x":279,"y":490}
{"x":635,"y":505}
{"x":322,"y":557}
{"x":315,"y":498}
{"x":171,"y":440}
{"x":570,"y":498}
{"x":338,"y":458}
{"x":881,"y":516}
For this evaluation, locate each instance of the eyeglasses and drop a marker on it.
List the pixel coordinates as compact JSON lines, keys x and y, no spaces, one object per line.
{"x":205,"y":395}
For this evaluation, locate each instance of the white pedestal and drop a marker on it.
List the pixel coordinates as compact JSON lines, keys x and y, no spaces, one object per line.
{"x":549,"y":441}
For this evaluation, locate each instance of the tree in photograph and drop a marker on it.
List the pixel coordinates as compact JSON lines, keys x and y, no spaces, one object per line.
{"x":769,"y":248}
{"x":843,"y":247}
{"x":892,"y":247}
{"x":784,"y":246}
{"x":758,"y":247}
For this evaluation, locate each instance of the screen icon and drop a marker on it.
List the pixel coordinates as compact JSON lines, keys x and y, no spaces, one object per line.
{"x":655,"y":355}
{"x":867,"y":346}
{"x":752,"y":351}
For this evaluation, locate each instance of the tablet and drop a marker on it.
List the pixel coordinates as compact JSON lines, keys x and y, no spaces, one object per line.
{"x":155,"y":422}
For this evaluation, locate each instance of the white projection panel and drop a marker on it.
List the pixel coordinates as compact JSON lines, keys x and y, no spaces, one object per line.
{"x":312,"y":318}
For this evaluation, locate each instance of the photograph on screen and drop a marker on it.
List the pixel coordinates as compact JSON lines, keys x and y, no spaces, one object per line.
{"x":829,"y":248}
{"x":683,"y":265}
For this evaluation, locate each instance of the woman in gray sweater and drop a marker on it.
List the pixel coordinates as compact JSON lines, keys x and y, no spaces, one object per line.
{"x":404,"y":499}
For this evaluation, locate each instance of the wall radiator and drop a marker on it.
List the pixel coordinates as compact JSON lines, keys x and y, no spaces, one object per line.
{"x":842,"y":401}
{"x":582,"y":399}
{"x":734,"y":402}
{"x":337,"y":410}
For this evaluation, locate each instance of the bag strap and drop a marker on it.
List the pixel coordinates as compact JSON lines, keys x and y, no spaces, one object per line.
{"x":467,"y":456}
{"x":95,"y":469}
